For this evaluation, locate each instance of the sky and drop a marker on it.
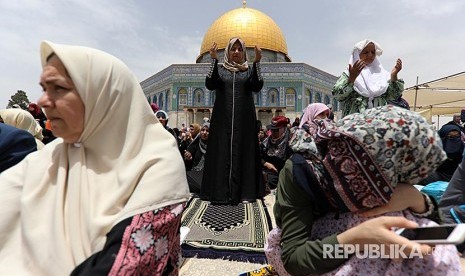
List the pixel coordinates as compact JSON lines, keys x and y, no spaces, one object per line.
{"x":149,"y":35}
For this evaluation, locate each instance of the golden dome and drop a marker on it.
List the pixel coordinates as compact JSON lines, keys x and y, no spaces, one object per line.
{"x":252,"y":26}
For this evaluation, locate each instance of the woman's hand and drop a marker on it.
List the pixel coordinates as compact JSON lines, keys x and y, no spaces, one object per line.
{"x":379,"y":231}
{"x":187,"y":155}
{"x":404,"y":197}
{"x":258,"y":54}
{"x":213,"y":51}
{"x":396,"y":70}
{"x":354,"y":70}
{"x":270,"y":167}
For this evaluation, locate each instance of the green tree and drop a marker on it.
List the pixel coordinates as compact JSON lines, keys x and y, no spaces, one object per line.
{"x":19,"y":98}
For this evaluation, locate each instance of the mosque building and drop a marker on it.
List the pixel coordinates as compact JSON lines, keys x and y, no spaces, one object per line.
{"x":288,"y":87}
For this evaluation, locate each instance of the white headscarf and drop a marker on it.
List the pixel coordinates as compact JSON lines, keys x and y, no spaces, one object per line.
{"x":231,"y":65}
{"x":59,"y":203}
{"x":373,"y":80}
{"x":23,"y":120}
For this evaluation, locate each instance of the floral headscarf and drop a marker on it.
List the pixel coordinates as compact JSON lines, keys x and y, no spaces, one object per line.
{"x":367,"y":154}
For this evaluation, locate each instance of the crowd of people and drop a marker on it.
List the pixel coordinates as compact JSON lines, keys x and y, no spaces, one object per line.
{"x":109,"y":191}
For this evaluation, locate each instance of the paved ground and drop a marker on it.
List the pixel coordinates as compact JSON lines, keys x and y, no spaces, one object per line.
{"x":207,"y":267}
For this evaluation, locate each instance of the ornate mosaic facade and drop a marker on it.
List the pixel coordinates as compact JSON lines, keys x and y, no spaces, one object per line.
{"x":288,"y":87}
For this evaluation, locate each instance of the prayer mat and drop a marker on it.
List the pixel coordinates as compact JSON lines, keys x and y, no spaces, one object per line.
{"x":264,"y":271}
{"x":231,"y":232}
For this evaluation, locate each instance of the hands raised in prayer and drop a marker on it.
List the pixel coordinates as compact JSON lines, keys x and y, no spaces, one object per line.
{"x":258,"y":54}
{"x":354,"y":70}
{"x":213,"y":51}
{"x":396,"y":70}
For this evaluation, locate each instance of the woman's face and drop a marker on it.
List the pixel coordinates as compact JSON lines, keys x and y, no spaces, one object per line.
{"x":453,"y":134}
{"x":162,"y":119}
{"x":61,"y":102}
{"x":322,"y":115}
{"x":236,"y":53}
{"x":368,"y":53}
{"x":204,"y":133}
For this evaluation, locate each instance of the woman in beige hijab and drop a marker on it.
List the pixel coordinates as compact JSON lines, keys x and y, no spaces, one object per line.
{"x":23,"y":120}
{"x":106,"y":198}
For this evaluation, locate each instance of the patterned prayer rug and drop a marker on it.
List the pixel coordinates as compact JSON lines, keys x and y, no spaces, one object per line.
{"x":232,"y":232}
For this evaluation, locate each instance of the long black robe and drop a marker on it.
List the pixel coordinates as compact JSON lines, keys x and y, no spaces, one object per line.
{"x":232,"y":165}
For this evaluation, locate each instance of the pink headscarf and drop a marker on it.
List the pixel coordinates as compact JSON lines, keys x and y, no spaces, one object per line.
{"x":312,"y":110}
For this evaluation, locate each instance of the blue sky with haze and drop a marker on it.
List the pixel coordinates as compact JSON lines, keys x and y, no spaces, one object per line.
{"x":148,"y":36}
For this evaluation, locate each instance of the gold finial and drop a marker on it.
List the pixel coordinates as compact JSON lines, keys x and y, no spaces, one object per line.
{"x":244,"y":2}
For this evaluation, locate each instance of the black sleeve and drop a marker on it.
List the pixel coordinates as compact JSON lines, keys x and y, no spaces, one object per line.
{"x":101,"y":262}
{"x":256,"y":80}
{"x":211,"y":81}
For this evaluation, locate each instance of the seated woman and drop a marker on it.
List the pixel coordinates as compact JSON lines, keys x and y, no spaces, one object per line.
{"x":453,"y":146}
{"x":106,"y":197}
{"x":194,"y":159}
{"x":313,"y":112}
{"x":365,"y":83}
{"x":162,"y":116}
{"x":369,"y":163}
{"x":23,"y":120}
{"x":274,"y":151}
{"x":188,"y":138}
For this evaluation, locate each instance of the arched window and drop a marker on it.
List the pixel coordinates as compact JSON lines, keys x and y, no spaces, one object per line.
{"x":148,"y":99}
{"x":273,"y":97}
{"x":155,"y":99}
{"x":327,"y":100}
{"x":213,"y":97}
{"x":161,"y":102}
{"x":198,"y":97}
{"x":335,"y":105}
{"x":182,"y":92}
{"x":317,"y":97}
{"x":307,"y":99}
{"x":256,"y":98}
{"x":290,"y":97}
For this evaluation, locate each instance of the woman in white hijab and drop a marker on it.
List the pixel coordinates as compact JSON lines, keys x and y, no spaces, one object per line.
{"x":106,"y":198}
{"x":23,"y":120}
{"x":365,"y":83}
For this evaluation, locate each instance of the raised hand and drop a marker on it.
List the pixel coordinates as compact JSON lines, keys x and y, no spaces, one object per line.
{"x":213,"y":51}
{"x":354,"y":70}
{"x":396,"y":70}
{"x":258,"y":54}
